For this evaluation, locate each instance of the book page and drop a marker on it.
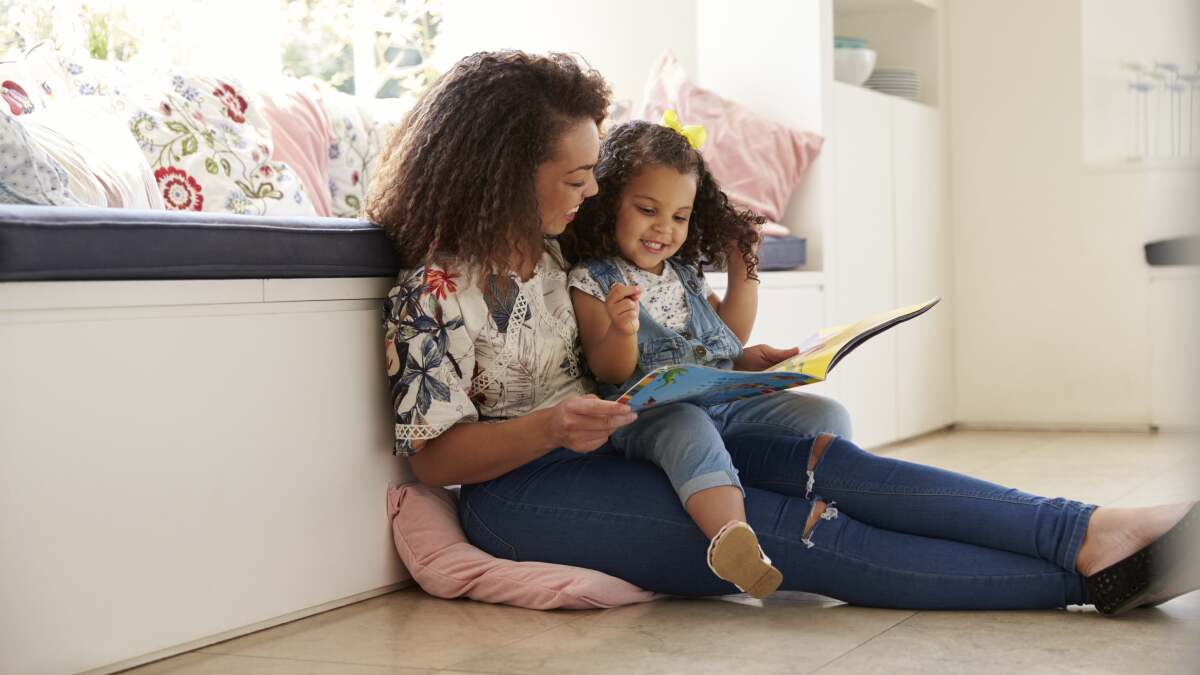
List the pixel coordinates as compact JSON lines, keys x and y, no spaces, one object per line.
{"x":819,"y":351}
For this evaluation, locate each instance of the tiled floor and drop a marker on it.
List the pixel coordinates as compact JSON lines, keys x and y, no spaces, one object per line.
{"x":409,"y":632}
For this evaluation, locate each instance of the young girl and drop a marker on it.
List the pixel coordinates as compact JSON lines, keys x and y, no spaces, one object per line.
{"x":642,"y":303}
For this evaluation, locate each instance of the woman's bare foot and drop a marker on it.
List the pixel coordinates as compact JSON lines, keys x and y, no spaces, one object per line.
{"x":1114,"y":534}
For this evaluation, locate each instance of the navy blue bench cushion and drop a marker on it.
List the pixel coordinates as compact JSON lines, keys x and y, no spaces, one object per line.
{"x":49,"y":243}
{"x":63,"y":243}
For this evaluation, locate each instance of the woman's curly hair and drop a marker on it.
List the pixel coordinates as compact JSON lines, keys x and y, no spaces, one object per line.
{"x":456,"y":179}
{"x":714,"y":225}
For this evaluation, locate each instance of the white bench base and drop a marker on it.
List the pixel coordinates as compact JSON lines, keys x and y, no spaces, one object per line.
{"x":186,"y":461}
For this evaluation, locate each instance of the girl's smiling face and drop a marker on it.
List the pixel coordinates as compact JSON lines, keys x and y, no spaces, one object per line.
{"x":653,"y":214}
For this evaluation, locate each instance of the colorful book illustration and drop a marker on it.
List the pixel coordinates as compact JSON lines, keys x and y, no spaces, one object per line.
{"x":818,"y":355}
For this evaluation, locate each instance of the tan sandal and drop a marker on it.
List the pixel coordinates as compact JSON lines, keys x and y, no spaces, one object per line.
{"x":735,"y":556}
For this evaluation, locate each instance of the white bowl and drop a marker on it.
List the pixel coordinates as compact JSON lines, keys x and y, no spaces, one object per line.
{"x":853,"y":66}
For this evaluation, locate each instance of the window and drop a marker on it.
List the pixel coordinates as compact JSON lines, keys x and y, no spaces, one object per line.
{"x":371,"y":48}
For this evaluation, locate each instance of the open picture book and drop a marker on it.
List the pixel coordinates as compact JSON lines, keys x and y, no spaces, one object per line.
{"x":818,"y":355}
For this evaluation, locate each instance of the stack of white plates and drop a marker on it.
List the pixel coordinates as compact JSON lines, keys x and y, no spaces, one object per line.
{"x":895,"y":81}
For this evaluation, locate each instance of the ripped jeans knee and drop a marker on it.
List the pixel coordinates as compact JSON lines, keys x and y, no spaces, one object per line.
{"x":827,"y":512}
{"x":819,"y":445}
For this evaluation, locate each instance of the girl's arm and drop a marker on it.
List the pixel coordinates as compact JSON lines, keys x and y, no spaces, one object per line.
{"x":608,"y":331}
{"x":473,"y":452}
{"x":740,"y":305}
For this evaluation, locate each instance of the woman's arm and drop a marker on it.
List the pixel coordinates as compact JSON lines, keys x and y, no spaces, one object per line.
{"x":473,"y":452}
{"x":608,"y":331}
{"x":740,"y":305}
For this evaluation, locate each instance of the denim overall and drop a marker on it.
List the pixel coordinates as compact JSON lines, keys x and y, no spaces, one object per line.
{"x":682,"y":439}
{"x":706,"y":340}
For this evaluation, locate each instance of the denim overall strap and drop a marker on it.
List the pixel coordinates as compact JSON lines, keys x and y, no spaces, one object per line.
{"x":706,"y":341}
{"x":704,"y":325}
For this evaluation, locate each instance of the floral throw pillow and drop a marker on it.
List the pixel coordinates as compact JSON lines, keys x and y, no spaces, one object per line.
{"x":358,"y":130}
{"x":210,"y":151}
{"x":205,"y":137}
{"x":90,"y":77}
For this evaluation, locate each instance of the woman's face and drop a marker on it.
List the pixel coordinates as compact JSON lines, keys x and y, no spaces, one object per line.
{"x":565,"y":180}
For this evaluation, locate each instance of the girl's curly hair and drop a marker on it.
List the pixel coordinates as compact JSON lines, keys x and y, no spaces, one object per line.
{"x":456,"y":179}
{"x":714,"y":224}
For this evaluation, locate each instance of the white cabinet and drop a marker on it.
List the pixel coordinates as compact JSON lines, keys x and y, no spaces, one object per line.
{"x":791,"y":307}
{"x":864,"y":257}
{"x":875,"y":205}
{"x":1174,"y":334}
{"x":925,"y":373}
{"x":891,"y":247}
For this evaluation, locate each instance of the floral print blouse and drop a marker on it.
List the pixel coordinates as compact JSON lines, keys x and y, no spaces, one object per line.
{"x":458,"y":349}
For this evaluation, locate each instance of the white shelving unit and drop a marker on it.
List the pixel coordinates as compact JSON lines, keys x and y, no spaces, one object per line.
{"x":891,"y":228}
{"x":875,"y":205}
{"x":904,"y":33}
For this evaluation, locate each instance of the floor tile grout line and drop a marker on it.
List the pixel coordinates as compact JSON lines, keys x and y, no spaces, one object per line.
{"x":860,"y":645}
{"x":297,"y":660}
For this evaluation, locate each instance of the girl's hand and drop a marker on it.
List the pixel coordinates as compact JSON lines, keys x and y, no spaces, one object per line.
{"x":622,"y":307}
{"x":584,"y":423}
{"x":761,"y":357}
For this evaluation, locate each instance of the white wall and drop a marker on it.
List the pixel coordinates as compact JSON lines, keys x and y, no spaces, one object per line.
{"x":775,"y":58}
{"x":1051,"y":287}
{"x":620,"y":38}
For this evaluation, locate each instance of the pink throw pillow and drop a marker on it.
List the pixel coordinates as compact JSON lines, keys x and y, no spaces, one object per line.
{"x":300,"y":136}
{"x":435,"y":550}
{"x":757,"y":162}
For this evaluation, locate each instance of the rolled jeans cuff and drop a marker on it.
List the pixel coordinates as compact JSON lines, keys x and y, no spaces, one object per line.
{"x":706,"y":481}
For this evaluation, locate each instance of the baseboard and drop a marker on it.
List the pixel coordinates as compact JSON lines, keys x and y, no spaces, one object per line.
{"x":1054,"y":426}
{"x":245,"y":630}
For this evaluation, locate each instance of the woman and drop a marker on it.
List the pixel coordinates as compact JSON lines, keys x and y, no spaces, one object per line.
{"x":483,"y":359}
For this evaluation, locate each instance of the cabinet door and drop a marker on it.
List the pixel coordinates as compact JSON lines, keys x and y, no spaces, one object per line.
{"x":1174,"y":334}
{"x":787,"y":315}
{"x":925,"y":346}
{"x":864,"y":262}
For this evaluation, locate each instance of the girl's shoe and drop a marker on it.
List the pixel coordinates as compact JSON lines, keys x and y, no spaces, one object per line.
{"x":735,"y":556}
{"x":1165,"y":569}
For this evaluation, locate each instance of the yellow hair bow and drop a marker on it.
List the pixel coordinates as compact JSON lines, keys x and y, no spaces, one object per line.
{"x":694,"y":133}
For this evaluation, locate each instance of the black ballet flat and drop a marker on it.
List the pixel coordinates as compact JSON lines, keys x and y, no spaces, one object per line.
{"x":1163,"y":570}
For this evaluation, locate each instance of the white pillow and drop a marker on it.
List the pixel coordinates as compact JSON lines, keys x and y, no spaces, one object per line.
{"x":35,"y":82}
{"x":90,"y":139}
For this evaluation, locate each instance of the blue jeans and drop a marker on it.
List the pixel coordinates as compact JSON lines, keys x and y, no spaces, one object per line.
{"x":900,"y":535}
{"x":686,"y":441}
